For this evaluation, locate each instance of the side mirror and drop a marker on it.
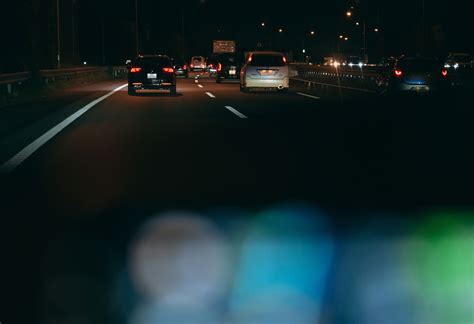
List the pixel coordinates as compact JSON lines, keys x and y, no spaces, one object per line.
{"x":128,"y":64}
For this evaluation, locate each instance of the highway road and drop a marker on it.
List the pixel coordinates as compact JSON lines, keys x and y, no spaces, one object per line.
{"x":116,"y":161}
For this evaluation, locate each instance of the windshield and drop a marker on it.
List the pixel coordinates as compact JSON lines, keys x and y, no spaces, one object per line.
{"x":236,"y":162}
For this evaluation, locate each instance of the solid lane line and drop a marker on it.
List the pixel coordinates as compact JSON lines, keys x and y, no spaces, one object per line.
{"x":210,"y":95}
{"x":307,"y":95}
{"x":235,"y":111}
{"x":200,"y":86}
{"x":24,"y":154}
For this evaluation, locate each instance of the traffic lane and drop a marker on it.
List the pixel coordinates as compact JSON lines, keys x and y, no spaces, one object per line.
{"x":165,"y":144}
{"x":22,"y":124}
{"x":411,"y":144}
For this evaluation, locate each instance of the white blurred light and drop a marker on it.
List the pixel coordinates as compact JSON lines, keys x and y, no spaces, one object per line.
{"x":85,"y":63}
{"x":361,"y":64}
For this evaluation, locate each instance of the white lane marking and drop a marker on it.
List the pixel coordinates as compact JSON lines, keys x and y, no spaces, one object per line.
{"x":200,"y":86}
{"x":307,"y":95}
{"x":196,"y":81}
{"x":210,"y":95}
{"x":24,"y":154}
{"x":235,"y":111}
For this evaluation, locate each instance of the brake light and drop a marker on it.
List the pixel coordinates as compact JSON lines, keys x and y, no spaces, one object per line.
{"x":250,"y":58}
{"x":168,"y":70}
{"x":211,"y":66}
{"x":398,"y":73}
{"x":219,"y":67}
{"x":185,"y":67}
{"x":135,"y":69}
{"x":192,"y":65}
{"x":284,"y":59}
{"x":444,"y":72}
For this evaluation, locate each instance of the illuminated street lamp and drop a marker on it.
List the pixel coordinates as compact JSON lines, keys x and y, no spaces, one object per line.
{"x":346,"y":38}
{"x":376,"y":30}
{"x":341,"y":37}
{"x":280,"y":30}
{"x":357,"y":23}
{"x":349,"y":13}
{"x":262,"y":24}
{"x":312,"y":33}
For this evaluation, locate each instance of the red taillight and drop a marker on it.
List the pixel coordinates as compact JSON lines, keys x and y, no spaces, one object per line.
{"x":192,"y":65}
{"x":250,"y":58}
{"x":185,"y":67}
{"x":398,"y":73}
{"x":211,"y":66}
{"x":219,"y":67}
{"x":284,"y":59}
{"x":444,"y":72}
{"x":135,"y":69}
{"x":168,"y":70}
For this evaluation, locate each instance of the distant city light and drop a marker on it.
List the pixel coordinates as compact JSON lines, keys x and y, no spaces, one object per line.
{"x":376,"y":30}
{"x":357,"y":23}
{"x":341,"y":37}
{"x":346,"y":38}
{"x":312,"y":32}
{"x":304,"y":51}
{"x":349,"y":13}
{"x":263,"y":24}
{"x":280,"y":30}
{"x":85,"y":63}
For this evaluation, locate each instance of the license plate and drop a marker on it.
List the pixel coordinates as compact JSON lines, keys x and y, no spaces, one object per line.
{"x":421,"y":88}
{"x":152,"y":75}
{"x":266,"y":72}
{"x":232,"y":72}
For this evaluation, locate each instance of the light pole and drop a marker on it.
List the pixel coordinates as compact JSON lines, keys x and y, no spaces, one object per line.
{"x":136,"y":27}
{"x":58,"y":35}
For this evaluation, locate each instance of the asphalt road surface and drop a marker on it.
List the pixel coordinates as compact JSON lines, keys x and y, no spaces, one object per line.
{"x":211,"y":146}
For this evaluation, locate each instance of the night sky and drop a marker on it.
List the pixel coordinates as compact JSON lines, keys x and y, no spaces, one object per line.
{"x":104,"y":30}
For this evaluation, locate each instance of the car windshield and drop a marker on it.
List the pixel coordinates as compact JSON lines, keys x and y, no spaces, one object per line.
{"x":236,"y":162}
{"x":267,"y":60}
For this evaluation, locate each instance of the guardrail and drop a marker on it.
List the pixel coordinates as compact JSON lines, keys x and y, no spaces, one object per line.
{"x":365,"y":78}
{"x":48,"y":76}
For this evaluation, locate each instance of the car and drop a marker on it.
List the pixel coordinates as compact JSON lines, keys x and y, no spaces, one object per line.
{"x":212,"y":66}
{"x":229,"y":66}
{"x":354,"y":61}
{"x":417,"y":74}
{"x":267,"y":70}
{"x":181,"y":68}
{"x":151,"y":72}
{"x":198,"y":63}
{"x":458,"y":61}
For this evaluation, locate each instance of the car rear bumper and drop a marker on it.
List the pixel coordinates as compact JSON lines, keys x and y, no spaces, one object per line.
{"x":267,"y":83}
{"x":429,"y":87}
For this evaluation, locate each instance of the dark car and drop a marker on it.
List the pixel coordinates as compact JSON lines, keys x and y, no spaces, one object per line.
{"x":154,"y":72}
{"x":229,"y":66}
{"x":181,"y":68}
{"x":417,"y":74}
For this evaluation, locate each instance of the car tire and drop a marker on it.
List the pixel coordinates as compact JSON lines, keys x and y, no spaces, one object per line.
{"x":173,"y":91}
{"x":131,"y":91}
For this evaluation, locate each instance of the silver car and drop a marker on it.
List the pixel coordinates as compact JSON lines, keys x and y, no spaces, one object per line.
{"x":265,"y":70}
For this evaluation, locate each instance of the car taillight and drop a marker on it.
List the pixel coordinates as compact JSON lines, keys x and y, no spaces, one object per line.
{"x":135,"y":69}
{"x":168,"y":70}
{"x":219,"y":67}
{"x":185,"y":67}
{"x":444,"y":72}
{"x":284,"y":59}
{"x":398,"y":73}
{"x":250,"y":59}
{"x":192,"y":65}
{"x":211,"y":66}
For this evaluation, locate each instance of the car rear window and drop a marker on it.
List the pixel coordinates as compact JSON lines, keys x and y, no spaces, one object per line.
{"x":152,"y":61}
{"x":231,"y":58}
{"x":267,"y":60}
{"x":420,"y":65}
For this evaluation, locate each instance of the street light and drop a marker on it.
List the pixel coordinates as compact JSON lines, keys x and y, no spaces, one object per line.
{"x":262,"y":24}
{"x":349,"y":13}
{"x":357,"y":23}
{"x":312,"y":32}
{"x":376,"y":30}
{"x":341,"y":37}
{"x":280,"y":30}
{"x":346,"y":38}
